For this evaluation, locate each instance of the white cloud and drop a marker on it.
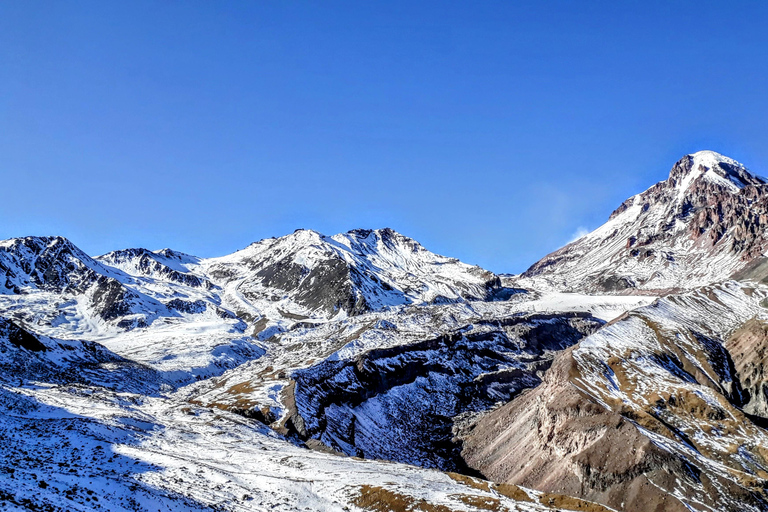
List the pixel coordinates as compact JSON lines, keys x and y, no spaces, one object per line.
{"x":580,"y":232}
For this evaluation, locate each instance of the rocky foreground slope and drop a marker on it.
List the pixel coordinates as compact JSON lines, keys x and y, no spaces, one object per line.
{"x":360,"y":371}
{"x":83,"y":429}
{"x":652,"y":412}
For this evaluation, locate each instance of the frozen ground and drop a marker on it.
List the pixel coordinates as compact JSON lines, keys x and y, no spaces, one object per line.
{"x":85,"y":448}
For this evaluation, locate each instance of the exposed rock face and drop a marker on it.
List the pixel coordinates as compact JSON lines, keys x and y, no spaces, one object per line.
{"x":645,"y":414}
{"x":555,"y":439}
{"x":748,"y":347}
{"x":399,"y":403}
{"x":708,"y":220}
{"x":111,"y":299}
{"x":186,"y":306}
{"x":19,"y":337}
{"x":327,"y":287}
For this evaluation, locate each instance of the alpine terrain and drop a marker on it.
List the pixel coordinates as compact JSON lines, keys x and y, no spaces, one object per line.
{"x":627,"y":371}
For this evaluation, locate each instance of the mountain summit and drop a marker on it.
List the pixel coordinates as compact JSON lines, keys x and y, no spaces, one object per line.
{"x":703,"y":224}
{"x":711,"y":167}
{"x":308,"y":274}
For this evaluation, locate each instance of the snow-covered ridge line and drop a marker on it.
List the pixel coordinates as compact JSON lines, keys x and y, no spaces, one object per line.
{"x":145,"y":304}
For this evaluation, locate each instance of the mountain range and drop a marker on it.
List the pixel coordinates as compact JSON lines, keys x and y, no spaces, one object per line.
{"x":625,"y":371}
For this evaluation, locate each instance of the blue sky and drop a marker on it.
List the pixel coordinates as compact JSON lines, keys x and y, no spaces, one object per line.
{"x":489,"y":131}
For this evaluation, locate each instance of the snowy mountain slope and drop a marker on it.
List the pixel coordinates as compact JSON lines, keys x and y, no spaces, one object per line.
{"x":51,"y":263}
{"x":645,"y":414}
{"x":145,"y":304}
{"x":82,"y":448}
{"x":111,"y":288}
{"x":704,"y":223}
{"x":28,"y":357}
{"x":165,"y":264}
{"x":309,"y":275}
{"x":363,"y":344}
{"x":258,"y":384}
{"x":148,"y":309}
{"x":53,"y":270}
{"x":84,"y":429}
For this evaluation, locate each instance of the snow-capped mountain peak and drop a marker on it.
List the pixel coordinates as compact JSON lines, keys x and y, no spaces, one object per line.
{"x":704,"y":223}
{"x":50,"y":262}
{"x":714,"y":168}
{"x":349,"y":273}
{"x":378,"y":240}
{"x":164,"y":264}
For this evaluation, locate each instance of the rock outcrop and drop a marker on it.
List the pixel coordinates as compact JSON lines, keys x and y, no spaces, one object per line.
{"x":748,"y":347}
{"x":656,"y":411}
{"x":555,"y":439}
{"x":401,"y":403}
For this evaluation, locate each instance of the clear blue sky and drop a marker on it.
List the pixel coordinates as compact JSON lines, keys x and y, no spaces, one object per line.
{"x":489,"y":131}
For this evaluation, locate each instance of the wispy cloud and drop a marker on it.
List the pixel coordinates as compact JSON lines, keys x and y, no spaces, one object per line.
{"x":580,"y":232}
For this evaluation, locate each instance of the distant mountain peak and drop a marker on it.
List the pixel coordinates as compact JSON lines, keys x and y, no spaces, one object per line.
{"x":355,"y":272}
{"x":713,"y":168}
{"x":703,"y":224}
{"x":709,"y":158}
{"x":38,"y":244}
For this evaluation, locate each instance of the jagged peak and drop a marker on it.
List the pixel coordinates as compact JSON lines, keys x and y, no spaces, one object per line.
{"x":309,"y":237}
{"x":375,"y":238}
{"x":132,"y":252}
{"x":50,"y":262}
{"x":301,"y":235}
{"x":300,"y":238}
{"x":717,"y":172}
{"x":170,"y":253}
{"x":38,"y":245}
{"x":137,"y":252}
{"x":169,"y":262}
{"x":702,"y":224}
{"x":380,"y":234}
{"x":41,"y":241}
{"x":714,"y":167}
